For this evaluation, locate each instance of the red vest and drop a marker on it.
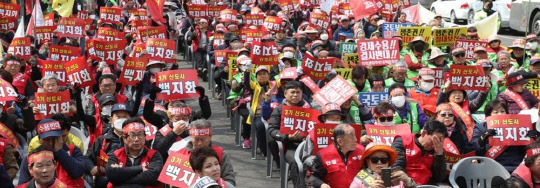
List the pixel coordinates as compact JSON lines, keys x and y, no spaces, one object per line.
{"x":428,"y":104}
{"x":418,"y":166}
{"x":145,"y":161}
{"x":63,"y":175}
{"x":525,"y":174}
{"x":3,"y":144}
{"x":120,"y":99}
{"x":166,"y":129}
{"x":218,"y":150}
{"x":340,"y":174}
{"x":57,"y":184}
{"x":19,"y":82}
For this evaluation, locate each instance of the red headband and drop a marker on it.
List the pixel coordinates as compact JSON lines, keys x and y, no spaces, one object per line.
{"x":388,"y":113}
{"x":532,"y":152}
{"x":35,"y":157}
{"x":49,"y":126}
{"x":400,"y":68}
{"x":198,"y":132}
{"x":180,"y":111}
{"x":133,"y":126}
{"x":397,"y":91}
{"x":510,"y":80}
{"x":12,"y":62}
{"x":377,"y":83}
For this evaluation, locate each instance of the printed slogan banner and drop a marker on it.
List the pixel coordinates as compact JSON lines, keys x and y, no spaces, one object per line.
{"x":407,"y":34}
{"x":255,"y":19}
{"x":534,"y":87}
{"x":316,"y":68}
{"x":7,"y":93}
{"x":110,"y":15}
{"x":378,"y":52}
{"x":323,"y":134}
{"x":20,"y":47}
{"x":53,"y":68}
{"x":198,"y":11}
{"x":386,"y":134}
{"x":265,"y":53}
{"x":273,"y":23}
{"x":228,"y":15}
{"x":9,"y":10}
{"x":71,"y":27}
{"x":347,"y":48}
{"x":52,"y":103}
{"x":8,"y":134}
{"x":390,"y":30}
{"x":77,"y":72}
{"x":161,"y":49}
{"x":215,"y":10}
{"x":465,"y":77}
{"x":44,"y":33}
{"x":64,"y":53}
{"x":371,"y":99}
{"x":110,"y":52}
{"x":7,"y":24}
{"x":447,"y":36}
{"x":152,"y":32}
{"x":439,"y":77}
{"x":177,"y":84}
{"x":109,"y":34}
{"x":319,"y":20}
{"x":337,"y":91}
{"x":344,"y":72}
{"x":469,"y":46}
{"x":298,"y":119}
{"x":177,"y":171}
{"x":511,"y":129}
{"x":133,"y":73}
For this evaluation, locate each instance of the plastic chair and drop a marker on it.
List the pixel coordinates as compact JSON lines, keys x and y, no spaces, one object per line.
{"x":253,"y":134}
{"x":298,"y":158}
{"x":284,"y":166}
{"x":238,"y":127}
{"x":477,"y":174}
{"x":269,"y":156}
{"x":79,"y":134}
{"x":225,"y":102}
{"x":23,"y":144}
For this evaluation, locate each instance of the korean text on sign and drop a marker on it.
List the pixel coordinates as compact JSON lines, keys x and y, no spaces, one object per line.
{"x":7,"y":93}
{"x":49,"y":67}
{"x":78,"y":72}
{"x":447,"y":36}
{"x":511,"y":129}
{"x":161,"y":49}
{"x":534,"y":87}
{"x":110,"y":14}
{"x":466,"y":77}
{"x":371,"y":99}
{"x":133,"y":72}
{"x":177,"y":171}
{"x":323,"y":135}
{"x":52,"y":103}
{"x":265,"y":53}
{"x":298,"y":119}
{"x":177,"y":84}
{"x":407,"y":34}
{"x":20,"y":47}
{"x":390,"y":30}
{"x":273,"y":23}
{"x":378,"y":52}
{"x":71,"y":27}
{"x":64,"y":53}
{"x":469,"y":46}
{"x":315,"y":68}
{"x":337,"y":91}
{"x":386,"y":134}
{"x":110,"y":52}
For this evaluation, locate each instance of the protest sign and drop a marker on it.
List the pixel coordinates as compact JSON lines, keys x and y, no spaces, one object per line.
{"x":149,"y":129}
{"x":319,"y":20}
{"x":288,"y":73}
{"x":71,"y":27}
{"x":7,"y":93}
{"x":447,"y":36}
{"x":286,"y":5}
{"x":316,"y":68}
{"x":214,"y":11}
{"x":390,"y":30}
{"x":347,"y":48}
{"x":350,"y":60}
{"x":308,"y":82}
{"x":345,"y":9}
{"x":265,"y":53}
{"x":378,"y":52}
{"x":254,"y":35}
{"x":273,"y":23}
{"x":7,"y":133}
{"x":452,"y":158}
{"x":344,"y":72}
{"x":198,"y":11}
{"x":386,"y":134}
{"x":177,"y":84}
{"x":56,"y":68}
{"x":465,"y":77}
{"x":8,"y":24}
{"x":136,"y":24}
{"x":469,"y":46}
{"x":409,"y":33}
{"x":78,"y":72}
{"x":49,"y":19}
{"x":298,"y":119}
{"x":177,"y":171}
{"x":52,"y":103}
{"x":228,"y":15}
{"x":110,"y":15}
{"x":323,"y":135}
{"x":9,"y":10}
{"x":255,"y":19}
{"x":220,"y":56}
{"x":20,"y":47}
{"x":534,"y":86}
{"x":337,"y":91}
{"x":63,"y":53}
{"x":152,"y":32}
{"x":44,"y":34}
{"x":133,"y":72}
{"x":233,"y":66}
{"x":219,"y":39}
{"x":371,"y":99}
{"x":161,"y":49}
{"x":109,"y":34}
{"x":110,"y":52}
{"x":137,"y":49}
{"x":511,"y":129}
{"x":439,"y":77}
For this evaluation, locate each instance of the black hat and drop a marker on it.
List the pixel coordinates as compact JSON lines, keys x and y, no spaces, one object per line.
{"x":106,"y":98}
{"x":515,"y":78}
{"x":120,"y":107}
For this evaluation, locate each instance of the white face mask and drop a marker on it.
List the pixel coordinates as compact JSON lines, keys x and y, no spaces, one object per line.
{"x":532,"y":45}
{"x":155,"y":70}
{"x":427,"y":86}
{"x":324,"y":37}
{"x":387,"y":123}
{"x":399,"y":101}
{"x":106,"y":110}
{"x":334,"y":22}
{"x":333,"y":122}
{"x":118,"y":124}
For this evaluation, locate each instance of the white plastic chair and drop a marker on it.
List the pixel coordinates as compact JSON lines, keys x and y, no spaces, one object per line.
{"x":478,"y":174}
{"x":79,"y":134}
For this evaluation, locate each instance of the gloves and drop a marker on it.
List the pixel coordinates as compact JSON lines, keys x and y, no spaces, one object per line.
{"x":490,"y":132}
{"x":153,"y":91}
{"x":248,"y":66}
{"x":200,"y":90}
{"x":139,"y":87}
{"x":23,"y":101}
{"x":484,"y":138}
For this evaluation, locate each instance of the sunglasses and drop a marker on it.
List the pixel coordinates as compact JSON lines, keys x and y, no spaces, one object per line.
{"x":447,"y":115}
{"x":386,"y":119}
{"x":376,"y":160}
{"x":460,"y":55}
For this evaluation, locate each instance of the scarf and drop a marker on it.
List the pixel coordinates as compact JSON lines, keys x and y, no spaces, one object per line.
{"x":451,"y":128}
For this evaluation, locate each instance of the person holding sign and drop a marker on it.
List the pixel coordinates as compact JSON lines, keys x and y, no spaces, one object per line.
{"x":516,"y":96}
{"x":406,"y":111}
{"x":337,"y":164}
{"x":426,"y":93}
{"x":527,"y":174}
{"x":21,"y":81}
{"x":383,"y":114}
{"x":493,"y":90}
{"x":205,"y":162}
{"x":344,"y":29}
{"x":400,"y":75}
{"x":456,"y":129}
{"x":259,"y":89}
{"x":417,"y":57}
{"x":422,"y":155}
{"x":42,"y":166}
{"x":458,"y":58}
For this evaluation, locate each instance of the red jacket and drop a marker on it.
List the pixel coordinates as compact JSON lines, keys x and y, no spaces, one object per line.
{"x":418,"y":166}
{"x":524,"y":173}
{"x":413,"y":65}
{"x":197,"y":40}
{"x":19,"y":81}
{"x":427,"y":103}
{"x":120,"y":99}
{"x":64,"y":176}
{"x":338,"y":173}
{"x":145,"y":161}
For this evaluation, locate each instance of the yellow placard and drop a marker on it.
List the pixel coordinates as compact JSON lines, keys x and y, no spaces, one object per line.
{"x":407,"y":34}
{"x":344,"y":72}
{"x":447,"y":36}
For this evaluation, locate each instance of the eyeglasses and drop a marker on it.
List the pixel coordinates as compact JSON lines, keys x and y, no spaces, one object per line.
{"x":459,"y":55}
{"x":386,"y":119}
{"x":447,"y":115}
{"x":107,"y":85}
{"x":376,"y":160}
{"x":133,"y":136}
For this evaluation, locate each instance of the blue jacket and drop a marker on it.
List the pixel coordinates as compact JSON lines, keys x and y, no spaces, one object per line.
{"x":347,"y":32}
{"x":4,"y":178}
{"x":422,"y":118}
{"x":266,"y":108}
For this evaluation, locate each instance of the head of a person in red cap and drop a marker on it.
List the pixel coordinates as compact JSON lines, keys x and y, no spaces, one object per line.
{"x":445,"y":114}
{"x":331,"y":114}
{"x":503,"y":59}
{"x":384,"y":114}
{"x":378,"y":156}
{"x":515,"y":81}
{"x":525,"y":175}
{"x":534,"y":64}
{"x":480,"y":53}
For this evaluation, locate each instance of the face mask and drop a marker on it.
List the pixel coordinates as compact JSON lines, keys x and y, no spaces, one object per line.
{"x":316,"y":52}
{"x":155,"y":70}
{"x":324,"y":37}
{"x":419,"y":47}
{"x":399,"y":101}
{"x":387,"y":123}
{"x":334,"y":22}
{"x":118,"y":124}
{"x":106,"y":110}
{"x":427,"y":86}
{"x":532,"y":45}
{"x":333,"y":122}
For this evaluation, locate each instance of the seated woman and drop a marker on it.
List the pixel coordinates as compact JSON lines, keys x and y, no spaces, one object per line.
{"x":456,"y":129}
{"x":527,"y":174}
{"x":376,"y":157}
{"x":516,"y":96}
{"x":204,"y":161}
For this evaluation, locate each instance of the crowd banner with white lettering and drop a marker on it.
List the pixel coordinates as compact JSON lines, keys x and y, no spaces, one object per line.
{"x":63,"y":53}
{"x":452,"y":158}
{"x":7,"y":93}
{"x":110,"y":15}
{"x":198,"y":11}
{"x":177,"y":171}
{"x":20,"y":47}
{"x":390,"y":30}
{"x":49,"y":19}
{"x":447,"y":36}
{"x":77,"y":71}
{"x":408,"y":33}
{"x":71,"y":27}
{"x":298,"y":119}
{"x":253,"y":35}
{"x":218,"y":39}
{"x":49,"y":67}
{"x":138,"y":49}
{"x":110,"y":52}
{"x":469,"y":46}
{"x":149,"y":129}
{"x":228,"y":15}
{"x":215,"y":10}
{"x":347,"y":48}
{"x":9,"y":10}
{"x":337,"y":91}
{"x":378,"y":52}
{"x":44,"y":34}
{"x":534,"y":87}
{"x":141,"y":13}
{"x":319,"y":20}
{"x":109,"y":34}
{"x":346,"y":73}
{"x":161,"y":49}
{"x":511,"y":129}
{"x":308,"y":82}
{"x":273,"y":23}
{"x":220,"y":56}
{"x":465,"y":77}
{"x":386,"y":134}
{"x":265,"y":53}
{"x":133,"y":72}
{"x":52,"y":103}
{"x":323,"y":134}
{"x":136,"y":24}
{"x":345,"y":9}
{"x":159,"y":32}
{"x":231,"y":62}
{"x":177,"y":84}
{"x":255,"y":19}
{"x":439,"y":77}
{"x":371,"y":99}
{"x":286,"y":5}
{"x":7,"y":133}
{"x":7,"y":24}
{"x":316,"y":68}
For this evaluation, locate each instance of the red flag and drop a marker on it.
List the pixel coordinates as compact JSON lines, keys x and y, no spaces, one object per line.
{"x":156,"y":9}
{"x":363,"y":8}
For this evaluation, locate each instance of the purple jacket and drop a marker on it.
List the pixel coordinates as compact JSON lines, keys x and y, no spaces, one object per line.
{"x":513,"y":107}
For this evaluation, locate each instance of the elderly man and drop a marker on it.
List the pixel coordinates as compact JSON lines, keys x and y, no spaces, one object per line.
{"x":201,"y":136}
{"x":21,"y":81}
{"x":417,"y":57}
{"x":426,"y":92}
{"x":400,"y":75}
{"x":343,"y":157}
{"x":134,"y":164}
{"x":41,"y":165}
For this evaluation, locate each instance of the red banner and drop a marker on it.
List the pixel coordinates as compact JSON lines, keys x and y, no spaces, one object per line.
{"x":137,"y":49}
{"x":8,"y":24}
{"x":214,"y":11}
{"x":265,"y":53}
{"x":20,"y":47}
{"x":337,"y":91}
{"x":228,"y":15}
{"x":8,"y":134}
{"x":161,"y":49}
{"x":8,"y":10}
{"x":308,"y":82}
{"x":49,"y":19}
{"x":136,"y":24}
{"x":219,"y":39}
{"x":141,"y":13}
{"x":177,"y":171}
{"x":82,"y":14}
{"x":110,"y":52}
{"x":347,"y":10}
{"x":324,"y":135}
{"x":286,"y":5}
{"x":78,"y":72}
{"x":386,"y":134}
{"x":52,"y":103}
{"x":452,"y":158}
{"x":109,"y":34}
{"x":152,"y":32}
{"x":133,"y":71}
{"x":273,"y":23}
{"x":378,"y":52}
{"x":253,"y":35}
{"x":511,"y":129}
{"x":44,"y":34}
{"x":255,"y":19}
{"x":53,"y":68}
{"x":149,"y":129}
{"x":315,"y":68}
{"x":64,"y":53}
{"x":177,"y":84}
{"x":110,"y":15}
{"x":465,"y":77}
{"x":7,"y":93}
{"x":319,"y":20}
{"x":198,"y":11}
{"x":298,"y":119}
{"x":439,"y":77}
{"x":220,"y":56}
{"x":469,"y":46}
{"x":71,"y":27}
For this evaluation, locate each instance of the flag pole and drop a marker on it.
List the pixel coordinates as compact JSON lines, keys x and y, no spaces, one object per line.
{"x":526,"y":29}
